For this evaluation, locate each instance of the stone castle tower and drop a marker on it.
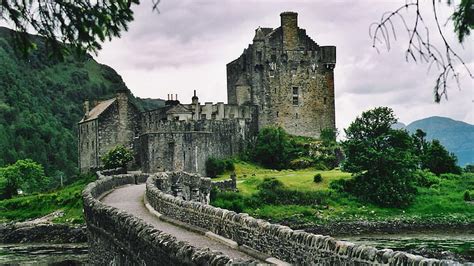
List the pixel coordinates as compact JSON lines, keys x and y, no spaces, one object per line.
{"x":288,"y":76}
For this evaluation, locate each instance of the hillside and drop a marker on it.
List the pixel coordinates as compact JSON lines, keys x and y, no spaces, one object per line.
{"x":41,"y":102}
{"x":456,"y":136}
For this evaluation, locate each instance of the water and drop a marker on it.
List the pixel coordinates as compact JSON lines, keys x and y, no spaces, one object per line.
{"x":43,"y":254}
{"x":457,"y":246}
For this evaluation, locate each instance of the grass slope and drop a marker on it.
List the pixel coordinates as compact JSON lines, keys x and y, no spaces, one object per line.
{"x":443,"y":202}
{"x":67,"y":199}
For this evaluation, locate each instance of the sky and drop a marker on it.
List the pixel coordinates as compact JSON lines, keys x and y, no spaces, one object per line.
{"x":187,"y":45}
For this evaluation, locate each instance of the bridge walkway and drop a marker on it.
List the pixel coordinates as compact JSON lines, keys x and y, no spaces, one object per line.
{"x":130,"y":199}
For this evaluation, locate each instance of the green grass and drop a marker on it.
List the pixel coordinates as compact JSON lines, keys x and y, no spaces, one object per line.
{"x":442,"y":202}
{"x":67,"y":199}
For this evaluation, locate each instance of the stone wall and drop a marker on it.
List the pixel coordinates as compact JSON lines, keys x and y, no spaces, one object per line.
{"x":185,"y":146}
{"x":186,"y":186}
{"x":118,"y":238}
{"x":296,"y":247}
{"x":226,"y":185}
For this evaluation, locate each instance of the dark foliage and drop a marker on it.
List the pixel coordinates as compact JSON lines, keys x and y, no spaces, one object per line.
{"x":215,"y":167}
{"x":438,"y":160}
{"x":41,"y":102}
{"x":381,"y":159}
{"x":467,"y":196}
{"x":317,"y":178}
{"x":117,"y":157}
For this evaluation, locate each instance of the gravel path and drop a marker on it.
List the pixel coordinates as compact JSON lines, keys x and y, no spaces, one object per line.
{"x":130,"y":199}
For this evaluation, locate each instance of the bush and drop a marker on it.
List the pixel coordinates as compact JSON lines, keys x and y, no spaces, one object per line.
{"x":117,"y":157}
{"x":215,"y":167}
{"x":274,"y":148}
{"x":467,"y":196}
{"x":317,"y":178}
{"x":469,"y":168}
{"x":301,"y":163}
{"x":425,"y":178}
{"x":450,"y":176}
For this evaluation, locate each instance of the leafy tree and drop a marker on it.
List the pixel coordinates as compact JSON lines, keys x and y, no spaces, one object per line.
{"x":26,"y":175}
{"x":380,"y":158}
{"x":438,"y":160}
{"x":117,"y":157}
{"x":273,"y":148}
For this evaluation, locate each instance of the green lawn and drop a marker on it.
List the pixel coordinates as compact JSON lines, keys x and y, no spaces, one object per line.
{"x":68,"y":199}
{"x":442,"y":202}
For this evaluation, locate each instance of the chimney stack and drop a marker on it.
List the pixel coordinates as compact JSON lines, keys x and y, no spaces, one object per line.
{"x":289,"y":26}
{"x":86,"y":108}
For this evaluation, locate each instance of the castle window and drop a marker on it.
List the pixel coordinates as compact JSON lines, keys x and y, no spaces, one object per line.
{"x":213,"y":116}
{"x":231,"y":116}
{"x":275,"y":90}
{"x":295,"y":96}
{"x":203,"y":116}
{"x":295,"y":100}
{"x":274,"y":57}
{"x":259,"y":56}
{"x":324,"y":100}
{"x":296,"y":115}
{"x":277,"y":113}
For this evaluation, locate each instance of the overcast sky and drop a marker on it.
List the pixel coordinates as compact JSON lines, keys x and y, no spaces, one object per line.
{"x":188,"y":44}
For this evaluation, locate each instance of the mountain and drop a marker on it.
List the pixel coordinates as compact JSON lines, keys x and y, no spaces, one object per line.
{"x":41,"y":101}
{"x":456,"y":136}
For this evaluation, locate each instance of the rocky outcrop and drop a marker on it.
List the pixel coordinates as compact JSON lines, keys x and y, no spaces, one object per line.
{"x":42,"y":233}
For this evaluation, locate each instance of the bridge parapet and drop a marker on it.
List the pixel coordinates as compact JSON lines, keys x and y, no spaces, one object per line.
{"x":296,"y":247}
{"x":118,"y":238}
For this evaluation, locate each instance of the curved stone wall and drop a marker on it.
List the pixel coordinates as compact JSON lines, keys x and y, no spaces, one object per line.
{"x":281,"y":242}
{"x":118,"y":238}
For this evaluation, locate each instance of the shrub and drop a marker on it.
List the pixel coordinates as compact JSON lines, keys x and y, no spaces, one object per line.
{"x":469,"y":168}
{"x":317,"y":178}
{"x":301,"y":163}
{"x":467,"y":196}
{"x":273,"y":148}
{"x":321,"y":166}
{"x":117,"y":157}
{"x":425,"y":178}
{"x":450,"y":176}
{"x":215,"y":167}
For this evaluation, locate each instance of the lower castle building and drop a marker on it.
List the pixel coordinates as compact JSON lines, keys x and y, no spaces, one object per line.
{"x":282,"y":79}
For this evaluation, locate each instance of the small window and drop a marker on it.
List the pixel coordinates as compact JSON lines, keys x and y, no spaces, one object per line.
{"x":274,"y":57}
{"x":176,"y":118}
{"x":296,"y":115}
{"x":277,"y":113}
{"x":259,"y":56}
{"x":275,"y":90}
{"x":231,"y":116}
{"x":295,"y":91}
{"x":324,"y":100}
{"x":295,"y":100}
{"x":203,"y":116}
{"x":213,"y":116}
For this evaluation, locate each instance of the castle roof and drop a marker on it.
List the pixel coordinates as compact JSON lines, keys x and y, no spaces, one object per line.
{"x":178,"y":109}
{"x":97,"y":110}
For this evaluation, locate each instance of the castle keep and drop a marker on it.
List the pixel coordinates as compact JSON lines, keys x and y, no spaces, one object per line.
{"x":282,"y":79}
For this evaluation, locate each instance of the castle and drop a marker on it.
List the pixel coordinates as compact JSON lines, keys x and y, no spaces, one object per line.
{"x":283,"y":78}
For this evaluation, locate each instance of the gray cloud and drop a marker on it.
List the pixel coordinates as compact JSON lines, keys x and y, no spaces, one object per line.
{"x":188,"y":44}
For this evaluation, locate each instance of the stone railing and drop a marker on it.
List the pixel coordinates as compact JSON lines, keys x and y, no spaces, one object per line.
{"x":226,"y":185}
{"x":296,"y":247}
{"x":118,"y":238}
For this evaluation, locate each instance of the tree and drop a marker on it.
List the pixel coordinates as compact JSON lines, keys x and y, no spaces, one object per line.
{"x":438,"y":160}
{"x":420,"y":46}
{"x":273,"y":148}
{"x":117,"y":157}
{"x":25,"y":175}
{"x":82,"y":24}
{"x":380,"y":158}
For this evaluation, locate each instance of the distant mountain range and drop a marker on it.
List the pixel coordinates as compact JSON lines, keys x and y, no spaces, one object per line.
{"x":456,"y":136}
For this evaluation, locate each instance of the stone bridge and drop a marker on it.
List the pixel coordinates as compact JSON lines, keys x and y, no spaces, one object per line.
{"x":165,"y":219}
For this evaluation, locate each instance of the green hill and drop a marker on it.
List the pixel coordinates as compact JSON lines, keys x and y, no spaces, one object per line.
{"x":456,"y":136}
{"x":41,"y":102}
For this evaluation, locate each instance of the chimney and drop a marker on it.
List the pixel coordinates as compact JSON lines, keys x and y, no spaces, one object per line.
{"x":289,"y":27}
{"x":86,"y":108}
